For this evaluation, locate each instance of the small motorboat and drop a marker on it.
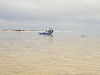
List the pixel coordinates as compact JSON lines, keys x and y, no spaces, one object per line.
{"x":49,"y":32}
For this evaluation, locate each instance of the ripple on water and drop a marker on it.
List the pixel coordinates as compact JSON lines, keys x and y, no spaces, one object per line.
{"x":62,"y":54}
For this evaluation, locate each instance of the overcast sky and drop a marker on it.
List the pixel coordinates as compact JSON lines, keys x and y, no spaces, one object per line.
{"x":44,"y":14}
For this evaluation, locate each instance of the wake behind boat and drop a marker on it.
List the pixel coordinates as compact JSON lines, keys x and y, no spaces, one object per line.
{"x":47,"y":32}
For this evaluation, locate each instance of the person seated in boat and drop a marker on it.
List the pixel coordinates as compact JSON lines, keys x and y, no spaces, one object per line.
{"x":49,"y":31}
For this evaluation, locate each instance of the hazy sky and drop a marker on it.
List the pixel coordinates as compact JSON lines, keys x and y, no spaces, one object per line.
{"x":44,"y":14}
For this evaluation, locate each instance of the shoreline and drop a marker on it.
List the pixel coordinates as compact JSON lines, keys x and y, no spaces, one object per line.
{"x":64,"y":31}
{"x":20,"y":30}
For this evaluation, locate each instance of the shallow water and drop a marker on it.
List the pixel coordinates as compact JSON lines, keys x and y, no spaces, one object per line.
{"x":28,"y":53}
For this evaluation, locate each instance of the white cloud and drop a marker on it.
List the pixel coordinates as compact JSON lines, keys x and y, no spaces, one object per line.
{"x":50,"y":12}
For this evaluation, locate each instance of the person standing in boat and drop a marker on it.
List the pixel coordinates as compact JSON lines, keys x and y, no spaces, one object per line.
{"x":51,"y":31}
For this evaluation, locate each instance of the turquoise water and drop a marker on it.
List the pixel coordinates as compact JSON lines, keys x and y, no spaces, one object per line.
{"x":67,"y":53}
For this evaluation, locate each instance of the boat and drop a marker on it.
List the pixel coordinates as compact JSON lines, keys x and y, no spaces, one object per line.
{"x":47,"y":32}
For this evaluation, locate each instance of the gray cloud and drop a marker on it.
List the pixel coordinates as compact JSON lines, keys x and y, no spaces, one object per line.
{"x":54,"y":13}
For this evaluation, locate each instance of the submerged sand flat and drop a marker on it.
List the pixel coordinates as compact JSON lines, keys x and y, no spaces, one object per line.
{"x":61,"y":54}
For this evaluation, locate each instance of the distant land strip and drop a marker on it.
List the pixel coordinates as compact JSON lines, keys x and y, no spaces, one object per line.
{"x":19,"y":30}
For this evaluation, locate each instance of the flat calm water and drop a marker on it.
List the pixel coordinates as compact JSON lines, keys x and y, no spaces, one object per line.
{"x":28,"y":53}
